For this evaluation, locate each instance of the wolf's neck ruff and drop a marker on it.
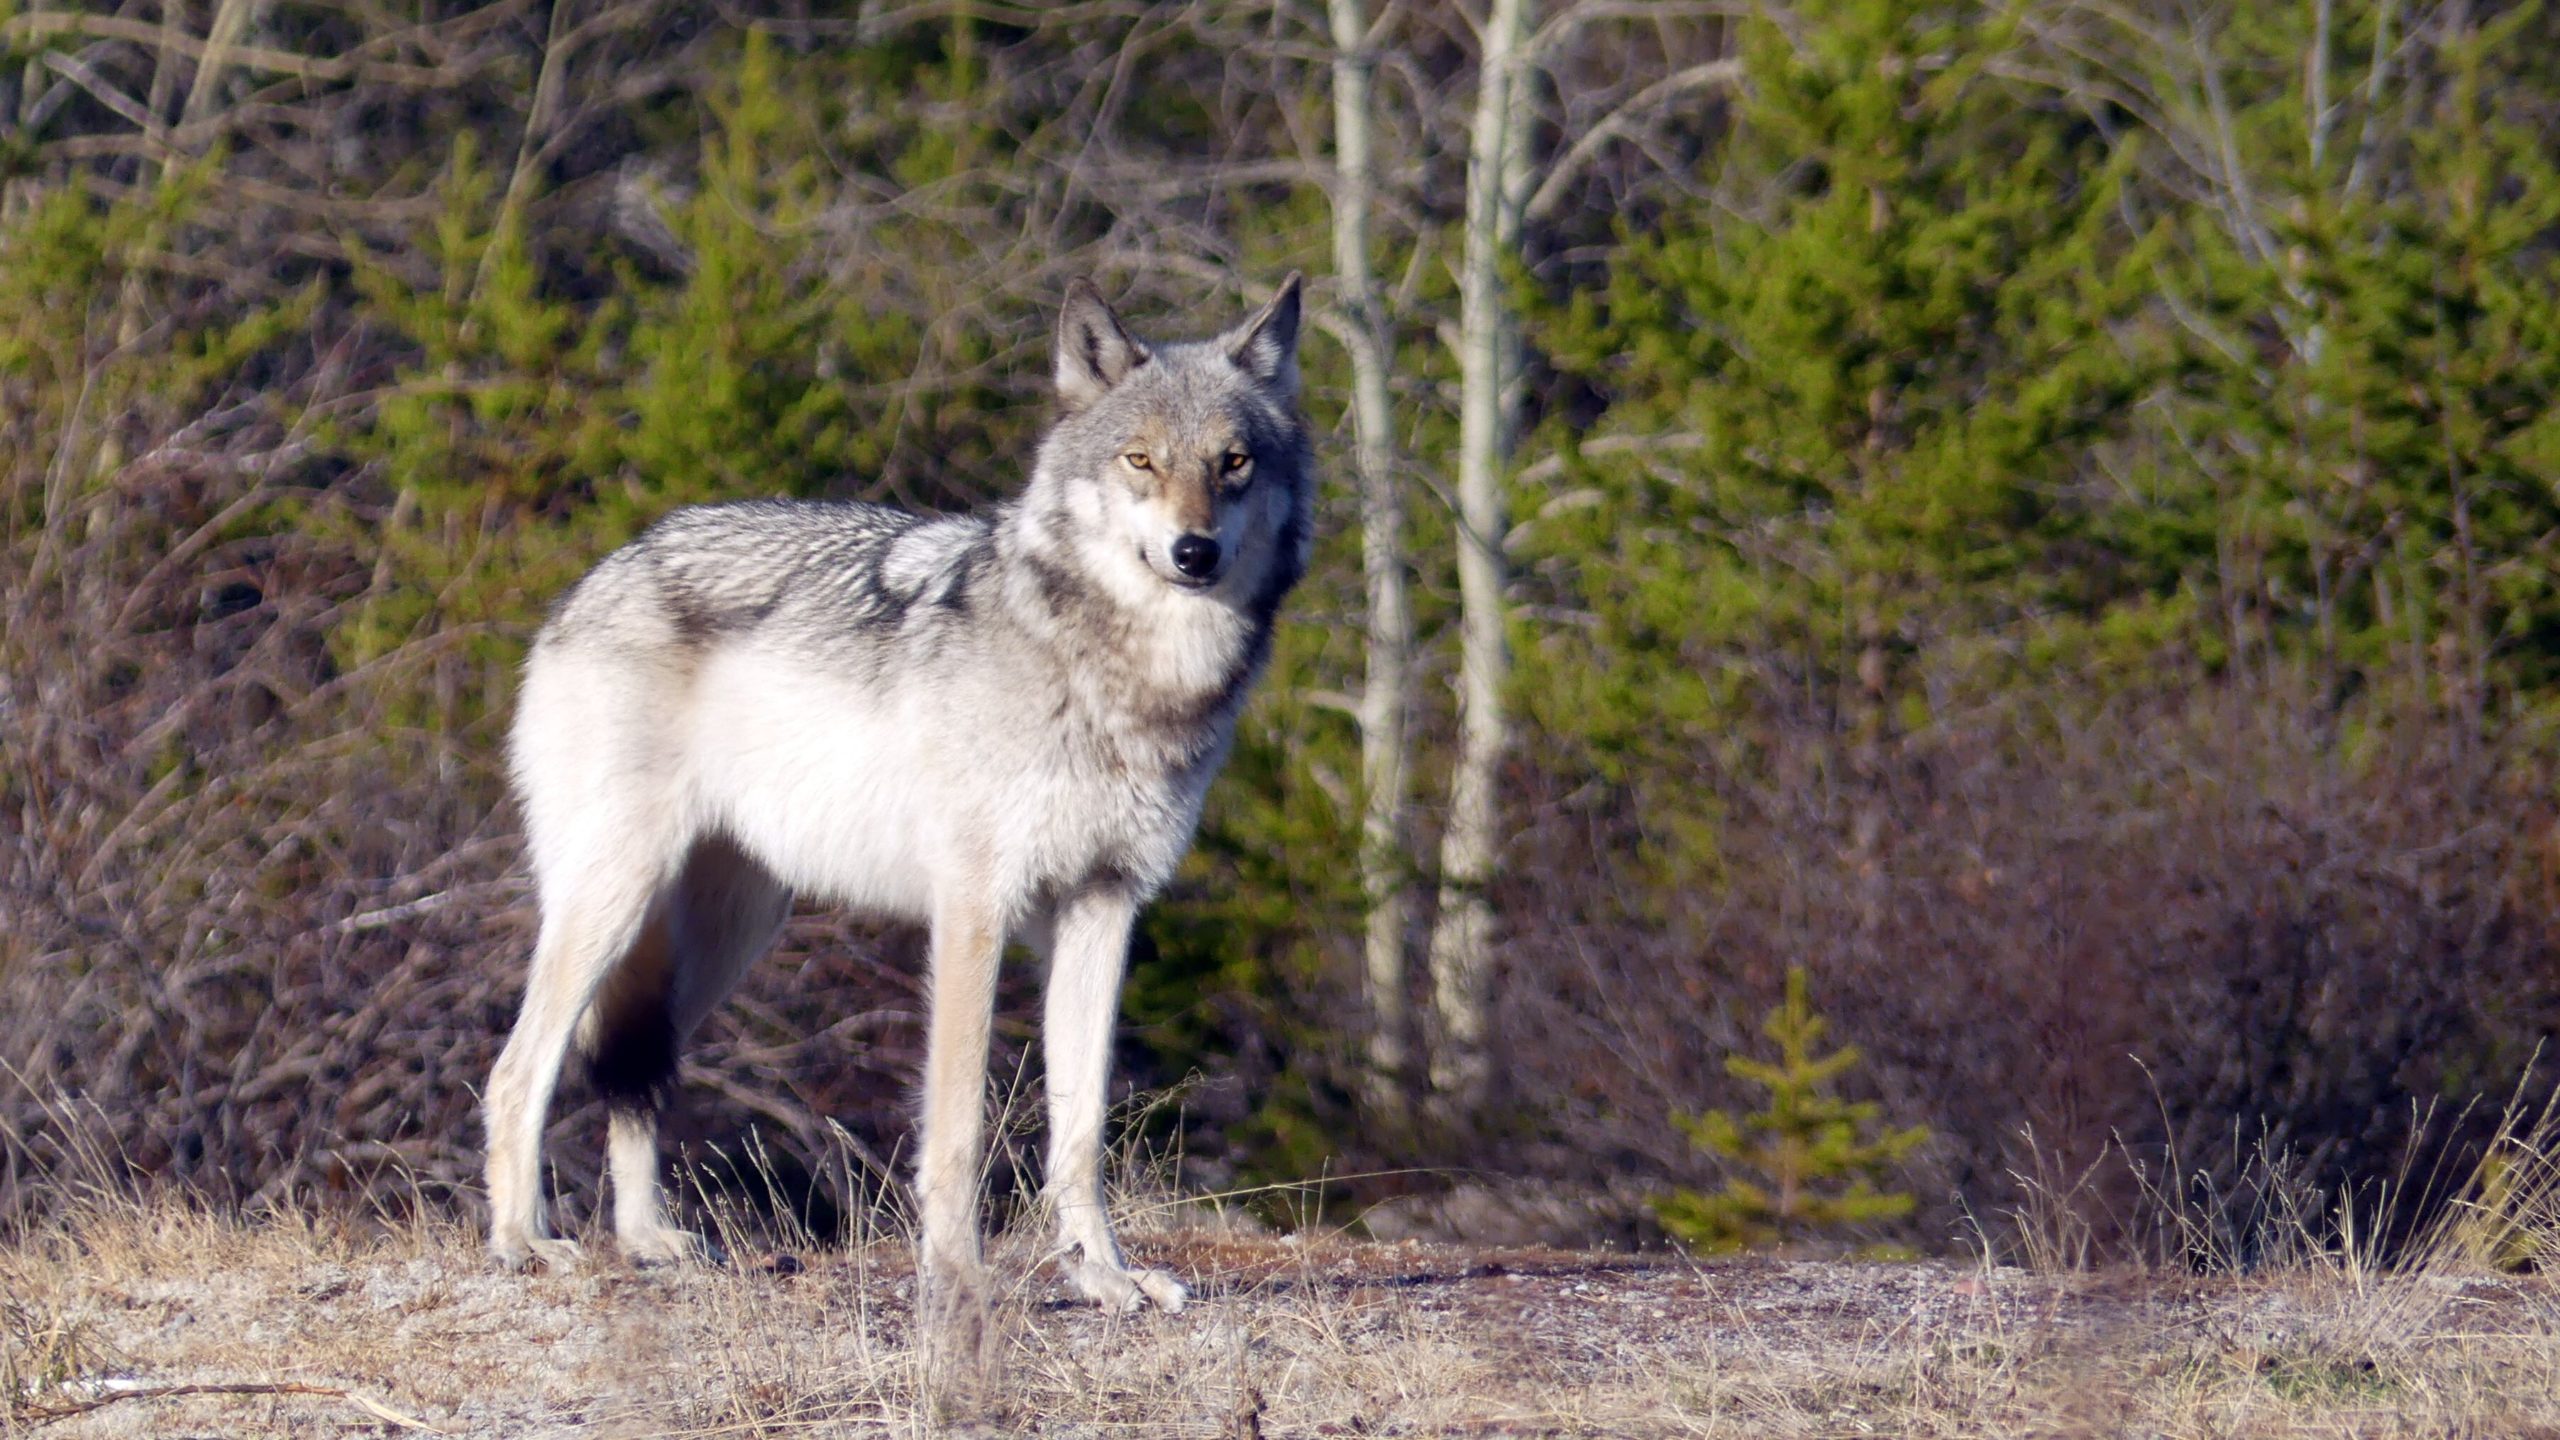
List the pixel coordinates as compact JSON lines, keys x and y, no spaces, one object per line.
{"x":1170,"y":668}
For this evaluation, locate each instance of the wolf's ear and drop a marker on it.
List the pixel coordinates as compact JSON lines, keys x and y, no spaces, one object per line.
{"x":1266,"y":346}
{"x":1094,"y":351}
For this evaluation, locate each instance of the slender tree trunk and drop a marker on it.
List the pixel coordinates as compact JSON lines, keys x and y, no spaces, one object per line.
{"x":1461,"y":938}
{"x":1518,"y":183}
{"x":1383,"y":865}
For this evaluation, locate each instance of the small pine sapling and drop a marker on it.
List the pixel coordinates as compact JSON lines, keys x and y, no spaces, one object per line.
{"x":1806,"y":1162}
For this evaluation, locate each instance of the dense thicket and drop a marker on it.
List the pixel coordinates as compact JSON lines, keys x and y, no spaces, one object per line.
{"x":2042,"y":515}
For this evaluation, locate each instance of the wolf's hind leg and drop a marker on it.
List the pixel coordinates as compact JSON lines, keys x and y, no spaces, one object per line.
{"x":712,"y":923}
{"x":588,"y":924}
{"x":629,"y":1038}
{"x":1089,"y":950}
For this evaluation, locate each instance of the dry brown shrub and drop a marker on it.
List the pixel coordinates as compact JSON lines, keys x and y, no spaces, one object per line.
{"x":2158,"y":943}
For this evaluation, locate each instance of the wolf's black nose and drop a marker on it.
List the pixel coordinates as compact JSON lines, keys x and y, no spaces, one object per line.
{"x":1195,"y":556}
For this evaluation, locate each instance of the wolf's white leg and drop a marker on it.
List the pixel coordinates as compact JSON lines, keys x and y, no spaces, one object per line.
{"x":1087,"y":955}
{"x":640,"y":1224}
{"x":720,"y":915}
{"x":967,"y":943}
{"x":582,"y":935}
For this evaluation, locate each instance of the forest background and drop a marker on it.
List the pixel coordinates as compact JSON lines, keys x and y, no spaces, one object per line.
{"x":2041,"y":514}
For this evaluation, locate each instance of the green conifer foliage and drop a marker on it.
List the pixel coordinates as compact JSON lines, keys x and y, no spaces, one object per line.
{"x":1851,"y":400}
{"x":2370,"y":422}
{"x":1806,"y":1162}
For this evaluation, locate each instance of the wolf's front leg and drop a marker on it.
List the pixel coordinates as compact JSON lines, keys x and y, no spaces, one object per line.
{"x":967,"y":943}
{"x":1087,"y":955}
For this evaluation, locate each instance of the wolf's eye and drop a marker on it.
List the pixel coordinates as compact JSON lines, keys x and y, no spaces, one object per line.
{"x":1237,"y":460}
{"x":1135,"y":460}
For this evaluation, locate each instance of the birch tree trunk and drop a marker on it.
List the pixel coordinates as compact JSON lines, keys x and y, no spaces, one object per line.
{"x":1518,"y":183}
{"x":1461,"y":938}
{"x":1383,"y":865}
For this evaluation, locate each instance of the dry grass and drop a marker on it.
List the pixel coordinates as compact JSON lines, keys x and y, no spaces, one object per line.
{"x":389,"y":1324}
{"x":123,"y":1316}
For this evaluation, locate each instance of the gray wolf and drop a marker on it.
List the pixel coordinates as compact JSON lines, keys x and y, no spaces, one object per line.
{"x":998,"y":725}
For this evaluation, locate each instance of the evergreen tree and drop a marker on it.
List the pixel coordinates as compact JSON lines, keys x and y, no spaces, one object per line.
{"x":1807,"y":1161}
{"x":2369,"y":432}
{"x":1851,"y":397}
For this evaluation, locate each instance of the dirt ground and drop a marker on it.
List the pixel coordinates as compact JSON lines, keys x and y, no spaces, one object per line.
{"x":407,"y":1332}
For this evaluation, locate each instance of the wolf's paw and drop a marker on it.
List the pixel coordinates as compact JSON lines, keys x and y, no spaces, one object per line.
{"x":667,"y":1245}
{"x":957,"y":1312}
{"x":1125,"y":1292}
{"x":519,"y":1253}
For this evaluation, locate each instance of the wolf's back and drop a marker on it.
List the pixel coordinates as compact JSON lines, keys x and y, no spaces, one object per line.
{"x":706,"y":572}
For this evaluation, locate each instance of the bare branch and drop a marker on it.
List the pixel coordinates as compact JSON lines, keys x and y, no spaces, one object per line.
{"x":1568,"y":167}
{"x":45,"y":24}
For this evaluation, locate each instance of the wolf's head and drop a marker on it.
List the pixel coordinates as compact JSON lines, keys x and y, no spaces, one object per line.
{"x":1179,"y":468}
